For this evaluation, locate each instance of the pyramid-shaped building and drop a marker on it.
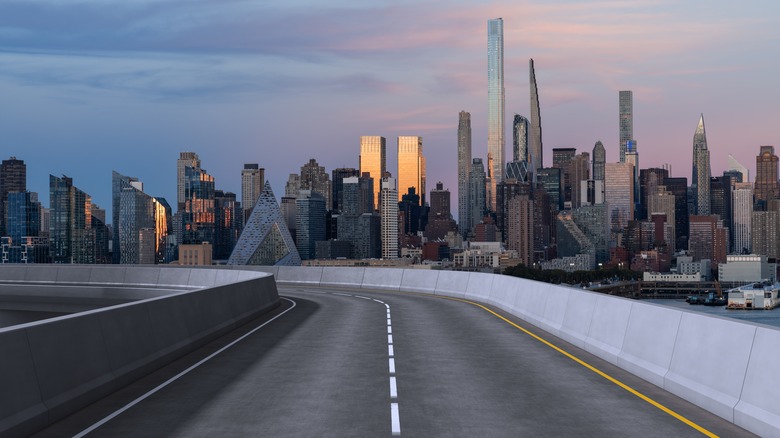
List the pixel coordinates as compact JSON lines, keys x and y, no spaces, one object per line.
{"x":265,"y":239}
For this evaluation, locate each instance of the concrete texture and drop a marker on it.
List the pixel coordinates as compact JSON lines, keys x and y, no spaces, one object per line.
{"x":648,"y":352}
{"x":382,"y":278}
{"x":709,"y":362}
{"x":53,"y":367}
{"x":419,"y":280}
{"x":479,"y":287}
{"x":758,"y":409}
{"x":578,"y":317}
{"x":340,"y":276}
{"x":305,"y":275}
{"x":608,"y":327}
{"x":452,"y":283}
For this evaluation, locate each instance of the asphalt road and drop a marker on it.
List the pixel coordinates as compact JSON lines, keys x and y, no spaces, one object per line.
{"x":336,"y":364}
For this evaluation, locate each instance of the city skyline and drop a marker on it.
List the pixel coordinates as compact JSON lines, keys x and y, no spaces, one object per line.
{"x":106,"y":98}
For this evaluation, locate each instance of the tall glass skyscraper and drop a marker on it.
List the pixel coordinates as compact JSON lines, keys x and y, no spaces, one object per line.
{"x":496,"y":144}
{"x":626,"y":120}
{"x":520,"y":138}
{"x":411,"y":166}
{"x":252,"y":181}
{"x":700,"y":176}
{"x":464,"y":169}
{"x":535,"y":149}
{"x":373,"y":159}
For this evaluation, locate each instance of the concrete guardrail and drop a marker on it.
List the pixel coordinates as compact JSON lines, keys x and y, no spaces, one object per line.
{"x":723,"y":365}
{"x":51,"y":368}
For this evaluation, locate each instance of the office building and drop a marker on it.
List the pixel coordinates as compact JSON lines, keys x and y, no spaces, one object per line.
{"x":626,"y":121}
{"x":186,"y":159}
{"x":593,"y":221}
{"x":765,"y":233}
{"x":619,"y":193}
{"x":338,"y":176}
{"x":496,"y":98}
{"x":464,"y":170}
{"x":373,"y":159}
{"x":742,"y":215}
{"x":649,"y":182}
{"x":520,"y":138}
{"x":411,"y":166}
{"x":678,"y":186}
{"x":314,"y":178}
{"x":520,"y":227}
{"x":700,"y":179}
{"x":228,"y":220}
{"x":440,"y":220}
{"x":708,"y":239}
{"x":477,"y":180}
{"x":13,"y":178}
{"x":389,"y":226}
{"x":550,"y":178}
{"x":310,"y":209}
{"x":197,"y":212}
{"x":252,"y":181}
{"x":140,"y":223}
{"x":535,"y":149}
{"x":71,"y":233}
{"x":766,"y":187}
{"x":599,"y":160}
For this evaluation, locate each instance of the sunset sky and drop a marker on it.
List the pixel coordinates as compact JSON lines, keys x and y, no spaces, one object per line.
{"x":91,"y":86}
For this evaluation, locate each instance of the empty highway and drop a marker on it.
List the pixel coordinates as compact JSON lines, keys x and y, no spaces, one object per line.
{"x":342,"y":363}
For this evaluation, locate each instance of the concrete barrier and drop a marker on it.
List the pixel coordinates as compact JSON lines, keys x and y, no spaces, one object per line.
{"x":339,"y":276}
{"x":479,"y":287}
{"x":419,"y":280}
{"x":758,"y":409}
{"x":295,"y":274}
{"x":452,"y":284}
{"x":709,"y":362}
{"x":607,"y":328}
{"x":54,"y":367}
{"x":379,"y":279}
{"x":648,"y":353}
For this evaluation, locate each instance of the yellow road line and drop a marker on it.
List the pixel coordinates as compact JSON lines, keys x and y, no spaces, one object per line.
{"x":594,"y":369}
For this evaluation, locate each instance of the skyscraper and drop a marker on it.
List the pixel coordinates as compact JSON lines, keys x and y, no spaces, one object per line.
{"x":700,"y":176}
{"x":619,"y":192}
{"x":337,"y":183}
{"x":252,"y":181}
{"x":310,"y":222}
{"x":197,"y":211}
{"x":373,"y":159}
{"x":136,"y":217}
{"x":228,"y":221}
{"x":626,"y":120}
{"x":742,"y":206}
{"x":464,"y":169}
{"x":766,"y":187}
{"x":735,"y":165}
{"x":411,"y":166}
{"x":496,"y":105}
{"x":185,"y":159}
{"x":71,"y":233}
{"x":13,"y":178}
{"x":535,"y":150}
{"x":599,"y":160}
{"x":315,"y":178}
{"x":389,"y":197}
{"x":477,"y":191}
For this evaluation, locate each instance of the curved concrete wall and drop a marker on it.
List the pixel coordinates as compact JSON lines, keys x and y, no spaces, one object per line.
{"x":51,"y":368}
{"x":723,"y":365}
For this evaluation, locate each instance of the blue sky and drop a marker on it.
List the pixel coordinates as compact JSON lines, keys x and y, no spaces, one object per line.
{"x":91,"y":86}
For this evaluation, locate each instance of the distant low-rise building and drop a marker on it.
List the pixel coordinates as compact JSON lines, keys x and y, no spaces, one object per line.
{"x":746,"y":268}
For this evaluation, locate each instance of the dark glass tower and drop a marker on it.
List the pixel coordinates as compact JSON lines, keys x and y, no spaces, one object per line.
{"x":700,"y":175}
{"x":535,"y":149}
{"x":13,"y":178}
{"x":464,"y":170}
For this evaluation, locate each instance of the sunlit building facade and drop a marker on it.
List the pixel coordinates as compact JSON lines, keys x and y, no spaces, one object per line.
{"x":766,"y":187}
{"x":411,"y":166}
{"x":140,"y":223}
{"x":389,"y":227}
{"x":373,"y":159}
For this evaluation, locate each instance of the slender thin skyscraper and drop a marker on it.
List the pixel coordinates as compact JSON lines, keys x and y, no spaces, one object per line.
{"x":700,"y":176}
{"x":535,"y":151}
{"x":464,"y":169}
{"x":496,"y":144}
{"x":626,"y":108}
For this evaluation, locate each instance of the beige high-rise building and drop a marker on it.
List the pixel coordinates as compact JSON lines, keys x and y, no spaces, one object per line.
{"x":742,"y":216}
{"x":389,"y":224}
{"x":373,"y":159}
{"x":411,"y":166}
{"x":252,"y":181}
